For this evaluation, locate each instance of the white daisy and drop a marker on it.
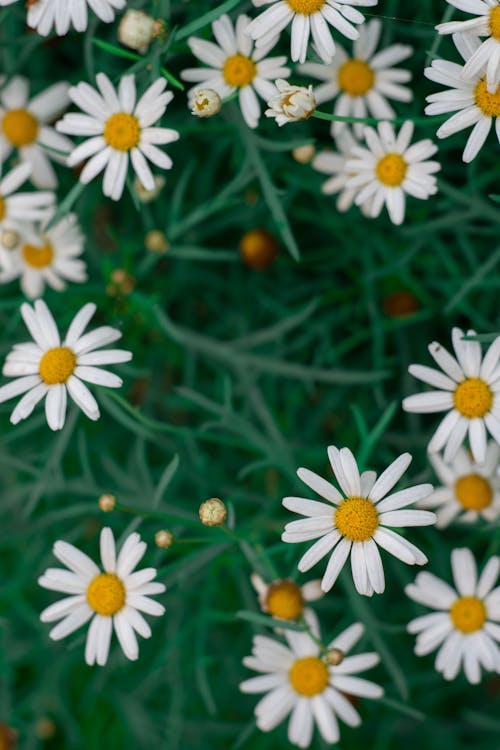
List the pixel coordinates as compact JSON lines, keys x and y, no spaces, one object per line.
{"x":467,"y":622}
{"x":363,"y":82}
{"x":308,"y":17}
{"x":468,"y":389}
{"x":119,"y":127}
{"x":487,"y":23}
{"x":47,"y":367}
{"x":362,"y":518}
{"x":24,"y":126}
{"x":283,"y":598}
{"x":469,"y":99}
{"x":470,"y":490}
{"x":45,"y":257}
{"x":297,"y":680}
{"x":290,"y":103}
{"x":112,"y":600}
{"x":390,"y":168}
{"x":43,"y":15}
{"x":333,"y":163}
{"x":18,"y":208}
{"x":236,"y":66}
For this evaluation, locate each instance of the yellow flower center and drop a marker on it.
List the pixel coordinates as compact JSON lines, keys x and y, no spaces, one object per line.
{"x":306,"y":7}
{"x":473,"y":398}
{"x":356,"y":519}
{"x":106,"y":594}
{"x":495,"y":22}
{"x":284,"y":600}
{"x":356,"y":77}
{"x":38,"y":257}
{"x":473,"y":492}
{"x":488,"y":103}
{"x":391,"y":170}
{"x":20,"y":127}
{"x":57,"y":365}
{"x":122,"y":131}
{"x":468,"y":614}
{"x":239,"y":70}
{"x":309,"y":676}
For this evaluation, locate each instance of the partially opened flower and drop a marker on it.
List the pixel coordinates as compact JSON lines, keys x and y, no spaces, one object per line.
{"x":25,"y":127}
{"x":51,"y":369}
{"x":356,"y":521}
{"x":283,"y":598}
{"x":468,"y":388}
{"x":290,"y":103}
{"x":112,"y":599}
{"x":16,"y":209}
{"x":297,"y":680}
{"x":121,"y":129}
{"x":44,"y":15}
{"x":467,"y":620}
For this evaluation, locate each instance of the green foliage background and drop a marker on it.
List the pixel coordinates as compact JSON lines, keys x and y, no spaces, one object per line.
{"x":238,"y":377}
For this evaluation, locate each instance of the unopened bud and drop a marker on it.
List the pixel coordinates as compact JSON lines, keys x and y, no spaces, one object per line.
{"x":107,"y":502}
{"x":334,"y":657}
{"x":10,"y":239}
{"x":258,"y":248}
{"x":205,"y":103}
{"x":164,"y":538}
{"x":138,"y":29}
{"x":156,"y":242}
{"x":304,"y":154}
{"x":213,"y":512}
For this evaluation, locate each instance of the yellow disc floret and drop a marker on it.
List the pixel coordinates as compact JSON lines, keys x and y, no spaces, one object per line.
{"x":239,"y":71}
{"x":309,"y":676}
{"x":473,"y":398}
{"x":468,"y":614}
{"x":473,"y":492}
{"x":306,"y":7}
{"x":356,"y":519}
{"x":391,"y":170}
{"x":488,"y":103}
{"x":495,"y":22}
{"x":284,"y":600}
{"x":106,"y":594}
{"x":20,"y":127}
{"x":356,"y":77}
{"x":122,"y":131}
{"x":57,"y":365}
{"x":38,"y":257}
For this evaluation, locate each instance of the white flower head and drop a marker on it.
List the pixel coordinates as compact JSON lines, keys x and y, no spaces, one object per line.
{"x":24,"y":127}
{"x":111,"y":600}
{"x":290,"y":103}
{"x":298,"y":681}
{"x":469,"y":99}
{"x":18,"y":208}
{"x":205,"y":103}
{"x":467,"y":619}
{"x":357,"y":520}
{"x":391,"y":167}
{"x":283,"y":598}
{"x":47,"y":368}
{"x":120,"y":128}
{"x":44,"y":15}
{"x":308,"y":17}
{"x":364,"y":81}
{"x":468,"y":389}
{"x":45,"y":257}
{"x":333,"y":163}
{"x":469,"y":490}
{"x":486,"y":23}
{"x":234,"y":65}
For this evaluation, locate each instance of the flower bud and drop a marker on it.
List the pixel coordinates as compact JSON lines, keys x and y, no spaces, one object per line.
{"x":156,"y":242}
{"x":137,"y":30}
{"x":10,"y":239}
{"x":258,"y":248}
{"x":334,"y":657}
{"x":107,"y":502}
{"x":213,"y":512}
{"x":292,"y":103}
{"x":148,"y":196}
{"x":122,"y":283}
{"x":164,"y":538}
{"x":304,"y":154}
{"x":205,"y":103}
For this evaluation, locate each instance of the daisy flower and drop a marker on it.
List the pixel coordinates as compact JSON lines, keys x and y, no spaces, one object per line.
{"x":333,"y":163}
{"x":389,"y":168}
{"x":361,"y":520}
{"x":24,"y":127}
{"x":111,"y":600}
{"x":469,"y":99}
{"x":485,"y":23}
{"x":470,"y":490}
{"x":297,"y":680}
{"x":47,"y":367}
{"x":283,"y":598}
{"x":120,"y":127}
{"x":18,"y":208}
{"x":308,"y":17}
{"x":467,"y":618}
{"x":45,"y":257}
{"x":363,"y":82}
{"x":236,"y":66}
{"x":468,"y":389}
{"x":43,"y":15}
{"x":290,"y":103}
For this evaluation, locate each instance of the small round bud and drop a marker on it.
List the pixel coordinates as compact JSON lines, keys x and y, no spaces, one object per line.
{"x":205,"y":103}
{"x":10,"y":239}
{"x":148,"y":196}
{"x":334,"y":657}
{"x":213,"y":512}
{"x":107,"y":502}
{"x":45,"y":728}
{"x":122,"y":283}
{"x":137,"y":30}
{"x":400,"y":304}
{"x":164,"y":538}
{"x":304,"y":154}
{"x":258,"y":248}
{"x":156,"y":242}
